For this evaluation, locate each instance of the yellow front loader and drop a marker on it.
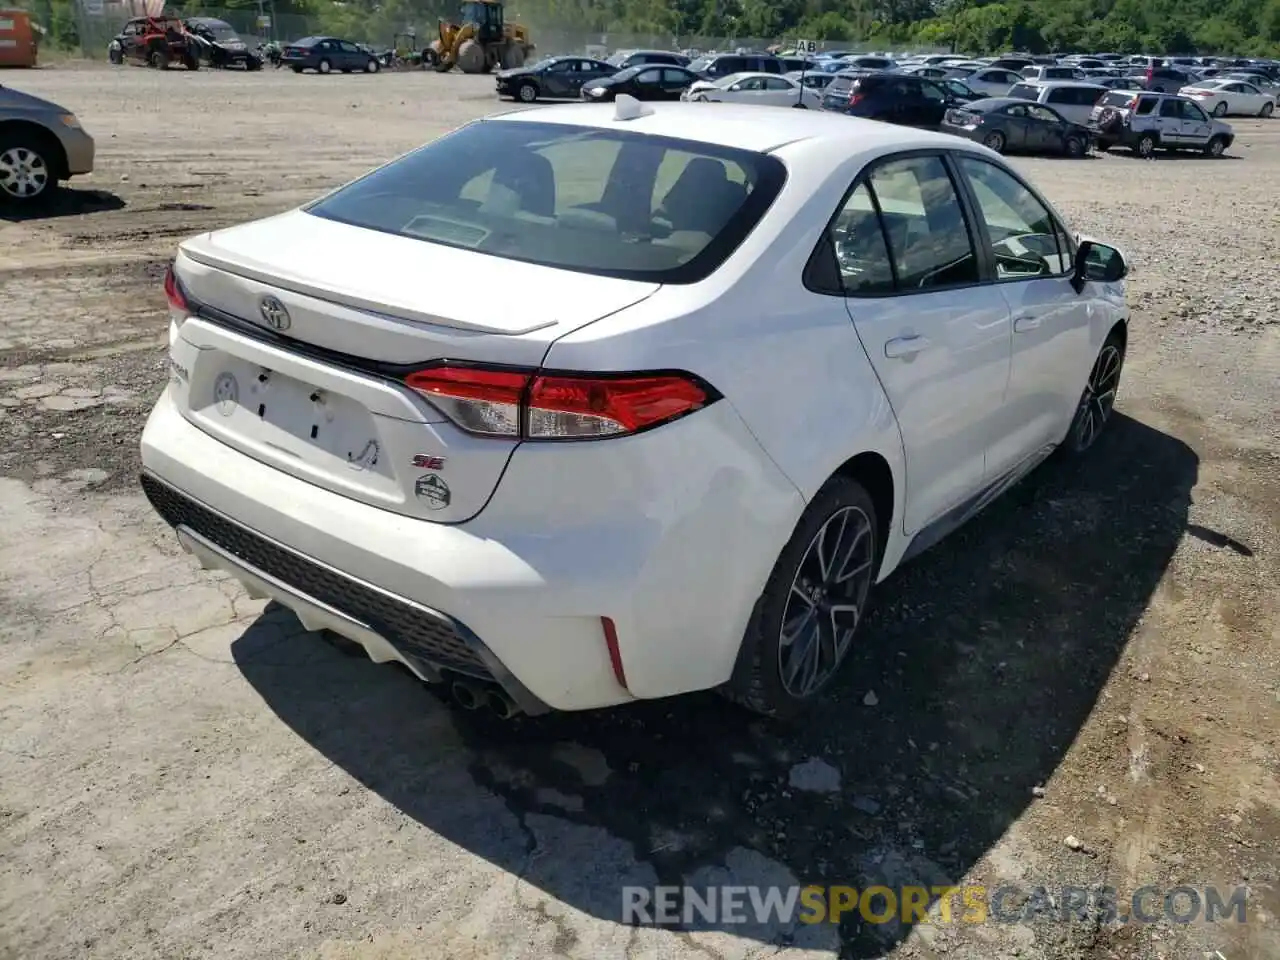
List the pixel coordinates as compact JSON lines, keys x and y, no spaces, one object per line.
{"x":481,"y":41}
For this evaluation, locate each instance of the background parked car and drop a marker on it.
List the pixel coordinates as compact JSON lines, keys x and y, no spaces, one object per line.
{"x":814,"y":80}
{"x":19,"y":46}
{"x":328,"y":54}
{"x":217,"y":44}
{"x":41,"y":144}
{"x":554,"y":78}
{"x":1230,"y":97}
{"x":1008,"y":124}
{"x":1166,"y":79}
{"x":726,"y":64}
{"x":1146,"y":122}
{"x":1119,"y":83}
{"x":1073,"y":100}
{"x":958,"y":90}
{"x":892,"y":97}
{"x":992,"y":82}
{"x":156,"y":41}
{"x":761,"y":89}
{"x":644,"y":82}
{"x":635,"y":58}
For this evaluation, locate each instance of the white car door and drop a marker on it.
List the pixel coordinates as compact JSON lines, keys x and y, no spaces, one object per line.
{"x":991,"y":83}
{"x":1052,"y":348}
{"x":937,"y":336}
{"x":1196,"y":127}
{"x":746,"y":90}
{"x":1246,"y":99}
{"x":780,"y":92}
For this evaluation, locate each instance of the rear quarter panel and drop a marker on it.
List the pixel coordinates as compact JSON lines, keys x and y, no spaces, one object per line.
{"x":788,"y":360}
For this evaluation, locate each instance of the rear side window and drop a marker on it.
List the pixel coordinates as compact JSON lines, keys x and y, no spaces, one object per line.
{"x":1146,"y":105}
{"x":1116,"y":99}
{"x":607,"y":202}
{"x":1024,"y":91}
{"x":901,"y":230}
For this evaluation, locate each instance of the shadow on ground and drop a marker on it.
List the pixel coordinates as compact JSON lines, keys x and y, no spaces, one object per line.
{"x":66,"y":202}
{"x":985,"y":656}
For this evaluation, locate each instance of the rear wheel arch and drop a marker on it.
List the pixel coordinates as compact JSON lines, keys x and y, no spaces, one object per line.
{"x":37,"y":135}
{"x":873,"y":472}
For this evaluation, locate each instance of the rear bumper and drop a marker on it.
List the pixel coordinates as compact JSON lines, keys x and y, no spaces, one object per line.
{"x":517,"y":594}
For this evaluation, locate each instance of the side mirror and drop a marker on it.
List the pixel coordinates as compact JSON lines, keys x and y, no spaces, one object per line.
{"x":1097,"y":263}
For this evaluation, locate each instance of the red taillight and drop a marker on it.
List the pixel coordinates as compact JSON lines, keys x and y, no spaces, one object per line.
{"x":173,"y":291}
{"x":478,"y":400}
{"x":525,"y":404}
{"x":855,"y":98}
{"x":1150,"y":74}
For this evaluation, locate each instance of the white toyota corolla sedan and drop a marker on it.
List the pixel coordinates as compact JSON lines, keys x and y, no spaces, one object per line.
{"x":596,"y":403}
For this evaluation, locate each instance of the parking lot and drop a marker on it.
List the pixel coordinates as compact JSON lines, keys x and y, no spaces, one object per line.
{"x":184,"y":773}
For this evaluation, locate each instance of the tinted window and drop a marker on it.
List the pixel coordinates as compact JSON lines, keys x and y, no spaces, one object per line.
{"x":1191,"y":111}
{"x":928,"y":237}
{"x":1024,"y":91}
{"x":1024,"y":238}
{"x":1170,"y":108}
{"x":727,"y":65}
{"x":1146,"y":105}
{"x":649,"y":76}
{"x":675,"y":76}
{"x":566,"y":197}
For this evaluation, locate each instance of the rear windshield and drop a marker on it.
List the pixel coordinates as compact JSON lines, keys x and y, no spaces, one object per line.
{"x":605,"y":202}
{"x":1117,"y":98}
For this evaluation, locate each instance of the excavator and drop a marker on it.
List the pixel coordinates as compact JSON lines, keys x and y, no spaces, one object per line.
{"x":480,"y":41}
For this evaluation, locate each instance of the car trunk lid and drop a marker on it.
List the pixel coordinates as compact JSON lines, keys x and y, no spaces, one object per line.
{"x":303,"y":329}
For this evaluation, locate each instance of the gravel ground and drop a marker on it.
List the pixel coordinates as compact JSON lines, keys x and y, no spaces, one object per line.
{"x":186,"y":774}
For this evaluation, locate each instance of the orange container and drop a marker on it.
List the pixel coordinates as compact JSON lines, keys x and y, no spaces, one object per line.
{"x":17,"y":39}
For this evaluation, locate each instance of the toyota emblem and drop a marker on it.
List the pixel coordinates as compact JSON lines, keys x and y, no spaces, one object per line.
{"x":274,"y":313}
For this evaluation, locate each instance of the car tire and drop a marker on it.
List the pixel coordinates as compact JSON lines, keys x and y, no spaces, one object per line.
{"x":1220,"y":110}
{"x":115,"y":56}
{"x":1075,"y":147}
{"x":191,"y":63}
{"x":1267,"y":110}
{"x":157,"y":60}
{"x":1102,"y":146}
{"x":779,"y":676}
{"x":324,"y":66}
{"x":372,"y":66}
{"x":994,"y":141}
{"x":1145,"y":145}
{"x":1215,"y":147}
{"x":527,"y":92}
{"x":296,"y":69}
{"x":28,"y":171}
{"x":1097,"y":401}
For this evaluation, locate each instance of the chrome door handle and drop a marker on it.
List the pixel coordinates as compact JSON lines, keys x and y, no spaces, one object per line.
{"x":904,"y":347}
{"x":1025,"y":324}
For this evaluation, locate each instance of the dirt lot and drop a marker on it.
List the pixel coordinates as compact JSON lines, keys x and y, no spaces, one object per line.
{"x":183,"y":774}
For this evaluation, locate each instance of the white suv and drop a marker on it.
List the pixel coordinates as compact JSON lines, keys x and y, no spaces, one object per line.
{"x":586,"y":404}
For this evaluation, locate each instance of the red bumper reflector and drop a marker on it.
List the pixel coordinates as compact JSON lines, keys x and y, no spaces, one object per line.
{"x":615,"y":654}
